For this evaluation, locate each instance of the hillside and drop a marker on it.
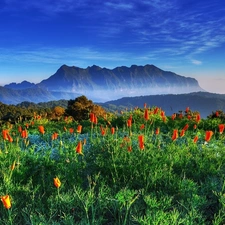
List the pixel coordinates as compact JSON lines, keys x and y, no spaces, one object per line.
{"x":203,"y":102}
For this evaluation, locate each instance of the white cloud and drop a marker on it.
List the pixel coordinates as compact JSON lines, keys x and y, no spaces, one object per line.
{"x":60,"y":55}
{"x":196,"y":62}
{"x":123,"y":6}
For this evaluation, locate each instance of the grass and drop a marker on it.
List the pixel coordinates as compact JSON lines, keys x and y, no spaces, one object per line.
{"x":116,"y":179}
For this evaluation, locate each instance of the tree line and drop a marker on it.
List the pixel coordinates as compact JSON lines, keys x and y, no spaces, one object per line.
{"x":78,"y":108}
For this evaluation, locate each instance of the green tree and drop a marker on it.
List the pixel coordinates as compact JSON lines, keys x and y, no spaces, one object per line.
{"x":80,"y":108}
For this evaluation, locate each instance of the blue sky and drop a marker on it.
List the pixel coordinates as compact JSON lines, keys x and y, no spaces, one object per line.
{"x":183,"y":36}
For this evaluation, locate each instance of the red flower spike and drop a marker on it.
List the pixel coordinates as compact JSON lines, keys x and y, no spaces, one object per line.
{"x":185,"y":127}
{"x":173,"y":116}
{"x":187,"y":110}
{"x":221,"y":128}
{"x":141,"y":141}
{"x":24,"y":134}
{"x":146,"y":114}
{"x":79,"y":148}
{"x":208,"y":135}
{"x":195,"y":139}
{"x":79,"y":129}
{"x":157,"y":131}
{"x":175,"y":135}
{"x":182,"y":133}
{"x":41,"y":129}
{"x":129,"y":122}
{"x":198,"y":118}
{"x":112,"y":130}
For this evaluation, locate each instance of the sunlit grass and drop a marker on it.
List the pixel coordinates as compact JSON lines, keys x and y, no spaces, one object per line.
{"x":136,"y":173}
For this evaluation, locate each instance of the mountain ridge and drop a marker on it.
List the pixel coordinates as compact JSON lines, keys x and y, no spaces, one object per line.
{"x":103,"y":84}
{"x":96,"y":82}
{"x":203,"y":102}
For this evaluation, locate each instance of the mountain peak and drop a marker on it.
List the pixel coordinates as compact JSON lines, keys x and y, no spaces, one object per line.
{"x":120,"y":81}
{"x":102,"y":84}
{"x":19,"y":86}
{"x":94,"y":67}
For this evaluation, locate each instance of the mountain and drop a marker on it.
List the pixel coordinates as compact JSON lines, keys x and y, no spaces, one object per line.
{"x":102,"y":84}
{"x":35,"y":94}
{"x":99,"y":84}
{"x":11,"y":96}
{"x":203,"y":102}
{"x":19,"y":86}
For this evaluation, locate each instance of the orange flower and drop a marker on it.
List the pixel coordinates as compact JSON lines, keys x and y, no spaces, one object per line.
{"x":187,"y":109}
{"x":112,"y":130}
{"x":156,"y":110}
{"x":162,"y":114}
{"x":9,"y":138}
{"x":195,"y":126}
{"x":142,"y":126}
{"x":24,"y":134}
{"x":79,"y":128}
{"x":95,"y":120}
{"x":103,"y":131}
{"x":54,"y":136}
{"x":20,"y":129}
{"x":79,"y":148}
{"x":141,"y":141}
{"x":41,"y":129}
{"x":163,"y":118}
{"x":195,"y":139}
{"x":175,"y":134}
{"x":71,"y":130}
{"x":208,"y":135}
{"x":185,"y":127}
{"x":146,"y":115}
{"x":57,"y":182}
{"x":198,"y":118}
{"x":217,"y":113}
{"x":4,"y":134}
{"x":182,"y":133}
{"x":129,"y":122}
{"x":173,"y":116}
{"x":157,"y":131}
{"x":92,"y":117}
{"x":221,"y":128}
{"x":6,"y":201}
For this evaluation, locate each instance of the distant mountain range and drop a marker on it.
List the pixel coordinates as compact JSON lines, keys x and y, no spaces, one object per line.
{"x":203,"y":102}
{"x":99,"y":84}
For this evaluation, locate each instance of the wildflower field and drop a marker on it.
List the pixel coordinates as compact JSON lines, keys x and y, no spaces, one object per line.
{"x":138,"y":167}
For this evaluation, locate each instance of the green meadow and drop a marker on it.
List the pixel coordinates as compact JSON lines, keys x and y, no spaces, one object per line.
{"x":139,"y":166}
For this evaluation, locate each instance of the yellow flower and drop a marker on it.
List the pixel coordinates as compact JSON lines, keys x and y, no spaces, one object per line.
{"x":57,"y":182}
{"x":6,"y":201}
